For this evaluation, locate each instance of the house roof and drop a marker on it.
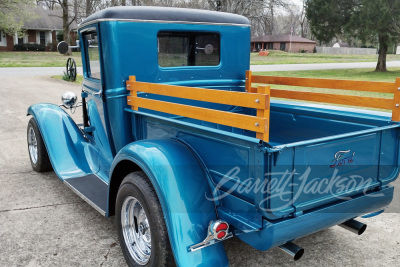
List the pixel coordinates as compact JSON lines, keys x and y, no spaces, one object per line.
{"x":170,"y":14}
{"x":281,"y":39}
{"x":47,"y":20}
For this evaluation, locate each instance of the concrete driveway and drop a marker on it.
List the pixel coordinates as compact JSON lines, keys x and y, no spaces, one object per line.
{"x":43,"y":223}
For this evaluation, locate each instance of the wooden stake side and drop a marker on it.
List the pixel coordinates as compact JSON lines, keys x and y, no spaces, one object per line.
{"x":366,"y":86}
{"x":242,"y":99}
{"x":248,"y":81}
{"x":396,"y":101}
{"x":264,"y":113}
{"x":348,"y":100}
{"x":130,"y":85}
{"x":241,"y":121}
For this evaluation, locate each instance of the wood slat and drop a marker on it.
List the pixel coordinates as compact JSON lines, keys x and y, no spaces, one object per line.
{"x":132,"y":92}
{"x":241,"y":99}
{"x":264,"y":113}
{"x":248,"y":81}
{"x":396,"y":102}
{"x":378,"y":87}
{"x":215,"y":116}
{"x":360,"y":101}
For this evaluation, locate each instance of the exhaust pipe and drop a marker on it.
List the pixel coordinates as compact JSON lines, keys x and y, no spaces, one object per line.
{"x":292,"y":249}
{"x":354,"y":226}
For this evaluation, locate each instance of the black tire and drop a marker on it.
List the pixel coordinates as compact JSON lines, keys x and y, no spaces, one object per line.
{"x":42,"y":162}
{"x":137,"y":186}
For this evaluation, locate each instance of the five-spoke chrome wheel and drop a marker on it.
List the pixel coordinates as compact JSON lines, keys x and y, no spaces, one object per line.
{"x":142,"y":232}
{"x":136,"y":230}
{"x":32,"y":145}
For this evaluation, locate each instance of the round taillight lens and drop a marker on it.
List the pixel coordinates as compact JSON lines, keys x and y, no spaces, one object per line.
{"x":221,"y":235}
{"x":221,"y":227}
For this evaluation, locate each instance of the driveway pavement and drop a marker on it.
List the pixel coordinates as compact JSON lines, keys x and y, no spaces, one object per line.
{"x":34,"y":71}
{"x":43,"y":223}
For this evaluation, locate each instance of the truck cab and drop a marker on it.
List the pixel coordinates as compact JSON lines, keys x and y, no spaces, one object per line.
{"x":185,"y":147}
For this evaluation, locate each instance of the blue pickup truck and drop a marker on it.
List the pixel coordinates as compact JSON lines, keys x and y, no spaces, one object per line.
{"x":188,"y":148}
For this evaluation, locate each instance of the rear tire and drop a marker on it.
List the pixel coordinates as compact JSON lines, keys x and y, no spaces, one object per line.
{"x":142,"y":232}
{"x":37,"y":150}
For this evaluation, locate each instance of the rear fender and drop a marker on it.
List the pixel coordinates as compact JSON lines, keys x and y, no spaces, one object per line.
{"x":181,"y":186}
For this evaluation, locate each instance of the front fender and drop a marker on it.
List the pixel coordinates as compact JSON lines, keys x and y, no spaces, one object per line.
{"x":64,"y":141}
{"x":181,"y":186}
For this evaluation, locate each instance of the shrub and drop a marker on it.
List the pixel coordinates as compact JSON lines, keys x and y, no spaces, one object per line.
{"x":60,"y":36}
{"x":29,"y":47}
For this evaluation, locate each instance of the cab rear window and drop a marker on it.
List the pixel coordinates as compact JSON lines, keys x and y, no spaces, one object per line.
{"x":177,"y":49}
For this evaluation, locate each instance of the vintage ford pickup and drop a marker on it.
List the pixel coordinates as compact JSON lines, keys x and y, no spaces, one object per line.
{"x":185,"y":147}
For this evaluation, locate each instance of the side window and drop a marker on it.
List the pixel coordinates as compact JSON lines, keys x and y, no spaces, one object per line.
{"x":188,"y":49}
{"x":92,"y":55}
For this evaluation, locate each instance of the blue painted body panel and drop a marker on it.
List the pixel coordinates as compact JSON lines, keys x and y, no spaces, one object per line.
{"x":187,"y":160}
{"x":180,"y":183}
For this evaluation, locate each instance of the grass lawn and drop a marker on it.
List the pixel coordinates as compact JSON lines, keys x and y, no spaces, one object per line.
{"x":279,"y":57}
{"x":37,"y":59}
{"x":54,"y":59}
{"x":344,"y":74}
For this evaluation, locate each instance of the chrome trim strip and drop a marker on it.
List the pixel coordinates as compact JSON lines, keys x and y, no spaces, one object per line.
{"x":161,"y":21}
{"x":85,"y":198}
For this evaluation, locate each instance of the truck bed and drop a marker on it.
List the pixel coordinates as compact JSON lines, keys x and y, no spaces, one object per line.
{"x":307,"y":157}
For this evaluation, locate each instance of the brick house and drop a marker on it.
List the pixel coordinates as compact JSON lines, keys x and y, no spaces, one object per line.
{"x":285,"y":43}
{"x":42,"y":30}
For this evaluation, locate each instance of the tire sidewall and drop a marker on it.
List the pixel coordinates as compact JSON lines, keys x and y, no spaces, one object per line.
{"x":132,"y":186}
{"x":42,"y":163}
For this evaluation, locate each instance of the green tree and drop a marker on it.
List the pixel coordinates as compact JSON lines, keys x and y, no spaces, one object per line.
{"x":365,"y":19}
{"x":13,"y":14}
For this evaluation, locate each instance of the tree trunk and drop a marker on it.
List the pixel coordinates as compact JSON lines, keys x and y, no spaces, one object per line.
{"x":383,"y":48}
{"x":66,"y":35}
{"x":271,"y":10}
{"x":89,"y":7}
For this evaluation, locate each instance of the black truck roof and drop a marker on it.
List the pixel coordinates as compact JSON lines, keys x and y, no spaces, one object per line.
{"x":167,"y":14}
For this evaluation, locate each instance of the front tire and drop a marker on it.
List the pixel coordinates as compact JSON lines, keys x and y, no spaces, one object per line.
{"x":37,"y":150}
{"x":142,"y":232}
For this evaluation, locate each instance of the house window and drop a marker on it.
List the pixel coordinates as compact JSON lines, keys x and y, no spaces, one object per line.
{"x":177,"y":49}
{"x":283,"y":46}
{"x":270,"y":46}
{"x":1,"y":36}
{"x":20,"y":40}
{"x":92,"y":55}
{"x":42,"y":38}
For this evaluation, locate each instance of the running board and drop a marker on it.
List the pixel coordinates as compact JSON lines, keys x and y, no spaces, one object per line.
{"x":91,"y":189}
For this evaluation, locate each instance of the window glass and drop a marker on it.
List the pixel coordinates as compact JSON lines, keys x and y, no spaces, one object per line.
{"x":42,"y":38}
{"x":92,"y":55}
{"x":188,"y":49}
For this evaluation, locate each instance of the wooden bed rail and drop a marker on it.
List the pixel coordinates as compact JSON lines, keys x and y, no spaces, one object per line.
{"x":258,"y":100}
{"x":392,"y":104}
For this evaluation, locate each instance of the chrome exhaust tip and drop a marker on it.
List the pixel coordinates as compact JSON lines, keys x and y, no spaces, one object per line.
{"x":293,"y":250}
{"x":354,"y":226}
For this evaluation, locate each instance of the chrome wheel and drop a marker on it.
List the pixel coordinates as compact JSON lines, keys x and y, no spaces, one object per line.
{"x":32,"y":145}
{"x":136,"y":230}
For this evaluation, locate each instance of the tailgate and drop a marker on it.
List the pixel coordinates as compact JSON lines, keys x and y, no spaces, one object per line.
{"x":311,"y":174}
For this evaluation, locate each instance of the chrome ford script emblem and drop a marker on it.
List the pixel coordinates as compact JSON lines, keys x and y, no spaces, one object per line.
{"x":342,"y":158}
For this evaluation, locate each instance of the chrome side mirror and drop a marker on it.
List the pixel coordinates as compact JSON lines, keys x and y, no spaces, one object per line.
{"x":68,"y":100}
